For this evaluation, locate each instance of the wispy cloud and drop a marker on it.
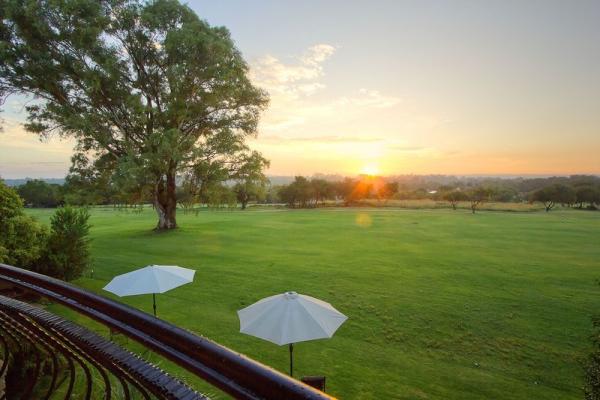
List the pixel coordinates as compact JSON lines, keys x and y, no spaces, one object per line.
{"x":292,"y":79}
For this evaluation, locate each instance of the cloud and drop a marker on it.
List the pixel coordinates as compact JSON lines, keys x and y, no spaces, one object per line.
{"x":317,"y":54}
{"x":295,"y":109}
{"x":295,"y":79}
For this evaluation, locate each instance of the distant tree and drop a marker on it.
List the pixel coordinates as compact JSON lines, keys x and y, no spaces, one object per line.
{"x":146,"y":86}
{"x":67,"y":254}
{"x":247,"y":191}
{"x":454,"y":197}
{"x":300,"y":193}
{"x":272,"y":195}
{"x":250,"y":180}
{"x":587,"y":194}
{"x":88,"y":184}
{"x":187,"y":195}
{"x":565,"y":195}
{"x":504,"y":194}
{"x":554,"y":194}
{"x":218,"y":196}
{"x":345,"y":189}
{"x":477,"y":196}
{"x":387,"y":190}
{"x":322,"y":190}
{"x":288,"y":194}
{"x":37,"y":193}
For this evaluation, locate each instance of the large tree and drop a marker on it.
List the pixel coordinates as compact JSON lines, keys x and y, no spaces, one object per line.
{"x":147,"y":88}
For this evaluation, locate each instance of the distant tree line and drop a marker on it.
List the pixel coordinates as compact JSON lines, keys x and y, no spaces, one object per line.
{"x":576,"y":191}
{"x":307,"y":193}
{"x":250,"y":185}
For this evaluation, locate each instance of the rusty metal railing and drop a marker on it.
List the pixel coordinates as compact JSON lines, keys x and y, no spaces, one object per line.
{"x":232,"y":372}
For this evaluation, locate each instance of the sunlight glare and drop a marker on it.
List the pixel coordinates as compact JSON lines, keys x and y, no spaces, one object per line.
{"x":370,"y":169}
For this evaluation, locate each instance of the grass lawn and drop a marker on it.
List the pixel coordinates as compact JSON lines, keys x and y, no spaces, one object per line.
{"x":441,"y":304}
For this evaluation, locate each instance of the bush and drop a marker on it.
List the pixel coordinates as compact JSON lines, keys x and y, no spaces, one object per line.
{"x":67,"y":254}
{"x":11,"y":204}
{"x":23,"y":239}
{"x":592,"y":367}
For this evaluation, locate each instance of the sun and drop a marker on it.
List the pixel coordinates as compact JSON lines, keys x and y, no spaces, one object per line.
{"x":370,"y":169}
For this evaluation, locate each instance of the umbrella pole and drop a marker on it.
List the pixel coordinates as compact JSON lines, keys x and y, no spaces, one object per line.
{"x":291,"y":359}
{"x":154,"y":303}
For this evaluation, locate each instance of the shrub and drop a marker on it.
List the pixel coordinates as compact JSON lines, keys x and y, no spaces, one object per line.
{"x":67,"y":254}
{"x":592,"y":367}
{"x":23,"y":239}
{"x":11,"y":204}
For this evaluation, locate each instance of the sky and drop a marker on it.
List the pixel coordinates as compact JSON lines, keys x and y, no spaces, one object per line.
{"x":506,"y":87}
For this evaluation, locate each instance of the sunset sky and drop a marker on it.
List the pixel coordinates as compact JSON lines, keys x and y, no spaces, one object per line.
{"x":451,"y":87}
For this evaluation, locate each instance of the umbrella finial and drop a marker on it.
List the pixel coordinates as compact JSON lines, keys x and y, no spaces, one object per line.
{"x":291,"y":295}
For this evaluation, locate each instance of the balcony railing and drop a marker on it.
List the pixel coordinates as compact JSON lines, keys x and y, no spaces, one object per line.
{"x":233,"y":373}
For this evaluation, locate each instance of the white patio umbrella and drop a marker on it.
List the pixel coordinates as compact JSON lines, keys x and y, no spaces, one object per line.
{"x":151,"y":279}
{"x":290,"y":318}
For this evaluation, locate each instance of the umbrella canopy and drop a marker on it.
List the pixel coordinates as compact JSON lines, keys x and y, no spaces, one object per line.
{"x":150,"y":279}
{"x":290,"y":318}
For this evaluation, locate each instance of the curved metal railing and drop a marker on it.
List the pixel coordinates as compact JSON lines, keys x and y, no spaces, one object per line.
{"x":234,"y":373}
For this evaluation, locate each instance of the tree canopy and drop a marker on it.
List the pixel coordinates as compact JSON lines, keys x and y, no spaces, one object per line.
{"x":148,"y":89}
{"x":555,"y":194}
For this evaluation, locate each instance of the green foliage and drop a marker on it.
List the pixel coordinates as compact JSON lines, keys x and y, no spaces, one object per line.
{"x":555,"y":194}
{"x":251,"y":182}
{"x":22,"y":242}
{"x":587,"y":194}
{"x":478,"y":195}
{"x":454,"y":196}
{"x":299,"y":193}
{"x":148,"y":90}
{"x":592,"y":367}
{"x":23,"y":239}
{"x":62,"y":253}
{"x":219,"y":195}
{"x":11,"y":205}
{"x":68,"y":253}
{"x":37,"y":193}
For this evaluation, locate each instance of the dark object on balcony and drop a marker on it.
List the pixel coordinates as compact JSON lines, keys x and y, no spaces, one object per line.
{"x":318,"y":382}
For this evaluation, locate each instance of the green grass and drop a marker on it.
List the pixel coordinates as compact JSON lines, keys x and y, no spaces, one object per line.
{"x":441,"y":304}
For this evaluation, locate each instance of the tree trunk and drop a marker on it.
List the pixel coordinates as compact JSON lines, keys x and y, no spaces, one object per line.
{"x":165,"y":202}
